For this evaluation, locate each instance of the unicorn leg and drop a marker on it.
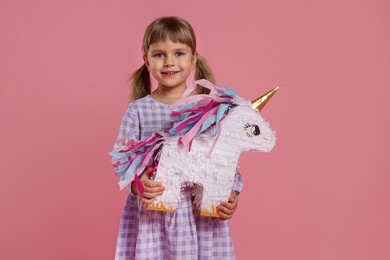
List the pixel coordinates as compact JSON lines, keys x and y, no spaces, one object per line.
{"x":207,"y":207}
{"x":169,"y":199}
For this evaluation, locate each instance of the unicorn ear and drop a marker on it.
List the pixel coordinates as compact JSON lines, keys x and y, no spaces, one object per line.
{"x":260,"y":102}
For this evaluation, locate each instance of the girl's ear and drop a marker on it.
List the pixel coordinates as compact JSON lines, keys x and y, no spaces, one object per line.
{"x":146,"y":61}
{"x":194,"y":59}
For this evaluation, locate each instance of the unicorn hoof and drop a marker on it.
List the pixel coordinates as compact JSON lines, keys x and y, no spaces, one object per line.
{"x":160,"y":207}
{"x":206,"y":213}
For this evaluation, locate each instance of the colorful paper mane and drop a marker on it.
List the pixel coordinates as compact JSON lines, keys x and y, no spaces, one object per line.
{"x":203,"y":147}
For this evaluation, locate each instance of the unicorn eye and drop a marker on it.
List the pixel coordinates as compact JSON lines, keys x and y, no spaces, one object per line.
{"x":252,"y":130}
{"x":255,"y":130}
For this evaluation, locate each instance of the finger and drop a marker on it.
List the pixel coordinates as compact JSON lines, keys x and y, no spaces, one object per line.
{"x":229,"y":206}
{"x":234,"y":200}
{"x":151,"y":195}
{"x":154,"y":189}
{"x":233,"y":204}
{"x":223,"y":216}
{"x":148,"y":189}
{"x":147,"y":201}
{"x":151,"y":183}
{"x":225,"y":210}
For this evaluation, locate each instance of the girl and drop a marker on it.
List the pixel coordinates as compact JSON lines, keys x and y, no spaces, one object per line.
{"x":169,"y":53}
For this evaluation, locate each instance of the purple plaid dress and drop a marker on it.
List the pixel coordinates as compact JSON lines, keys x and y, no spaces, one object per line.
{"x":149,"y":234}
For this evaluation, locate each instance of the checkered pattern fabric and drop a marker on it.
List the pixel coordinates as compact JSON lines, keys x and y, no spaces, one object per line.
{"x":184,"y":234}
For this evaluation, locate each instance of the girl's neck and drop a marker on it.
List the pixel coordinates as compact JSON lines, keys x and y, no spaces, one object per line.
{"x":168,"y":95}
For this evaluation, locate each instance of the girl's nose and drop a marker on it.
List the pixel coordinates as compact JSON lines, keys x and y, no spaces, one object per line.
{"x":168,"y":61}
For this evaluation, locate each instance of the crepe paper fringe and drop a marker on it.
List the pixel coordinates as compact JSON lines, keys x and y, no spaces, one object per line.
{"x":133,"y":160}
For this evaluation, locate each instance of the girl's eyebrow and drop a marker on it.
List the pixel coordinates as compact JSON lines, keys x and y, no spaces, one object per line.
{"x":175,"y":50}
{"x":157,"y":50}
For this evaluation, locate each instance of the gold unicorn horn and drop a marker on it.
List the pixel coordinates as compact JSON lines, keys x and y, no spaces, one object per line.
{"x":260,"y":102}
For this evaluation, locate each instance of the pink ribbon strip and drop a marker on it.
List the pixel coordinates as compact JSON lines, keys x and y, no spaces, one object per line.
{"x":138,"y":184}
{"x":191,"y":133}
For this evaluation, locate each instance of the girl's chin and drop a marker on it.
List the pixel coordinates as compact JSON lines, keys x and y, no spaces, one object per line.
{"x":166,"y":84}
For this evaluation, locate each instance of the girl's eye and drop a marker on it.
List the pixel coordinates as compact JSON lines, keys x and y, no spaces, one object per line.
{"x":180,"y":53}
{"x":158,"y":55}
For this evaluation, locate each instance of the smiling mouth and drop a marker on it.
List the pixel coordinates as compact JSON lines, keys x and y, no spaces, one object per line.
{"x":169,"y":73}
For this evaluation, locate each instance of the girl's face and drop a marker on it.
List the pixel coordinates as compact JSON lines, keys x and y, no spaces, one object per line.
{"x":170,"y":63}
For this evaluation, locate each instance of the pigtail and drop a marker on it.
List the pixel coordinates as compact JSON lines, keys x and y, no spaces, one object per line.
{"x":140,"y":82}
{"x":203,"y":71}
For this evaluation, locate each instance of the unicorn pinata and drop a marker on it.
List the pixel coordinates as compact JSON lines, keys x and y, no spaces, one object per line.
{"x":202,"y":148}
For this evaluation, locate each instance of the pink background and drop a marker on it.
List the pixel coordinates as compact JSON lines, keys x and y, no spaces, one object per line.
{"x":323,"y":193}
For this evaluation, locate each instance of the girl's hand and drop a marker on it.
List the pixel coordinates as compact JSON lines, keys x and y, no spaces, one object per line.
{"x":226,"y":209}
{"x":152,"y":188}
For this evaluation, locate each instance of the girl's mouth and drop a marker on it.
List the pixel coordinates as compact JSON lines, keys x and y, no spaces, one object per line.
{"x":169,"y":73}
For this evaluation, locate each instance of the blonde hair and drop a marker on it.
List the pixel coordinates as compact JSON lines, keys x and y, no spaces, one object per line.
{"x":177,"y":30}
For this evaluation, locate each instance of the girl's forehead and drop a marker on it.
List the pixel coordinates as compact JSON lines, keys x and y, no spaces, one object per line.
{"x":168,"y":44}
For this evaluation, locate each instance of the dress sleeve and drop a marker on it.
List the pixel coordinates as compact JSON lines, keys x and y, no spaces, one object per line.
{"x":129,"y":128}
{"x":237,"y":185}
